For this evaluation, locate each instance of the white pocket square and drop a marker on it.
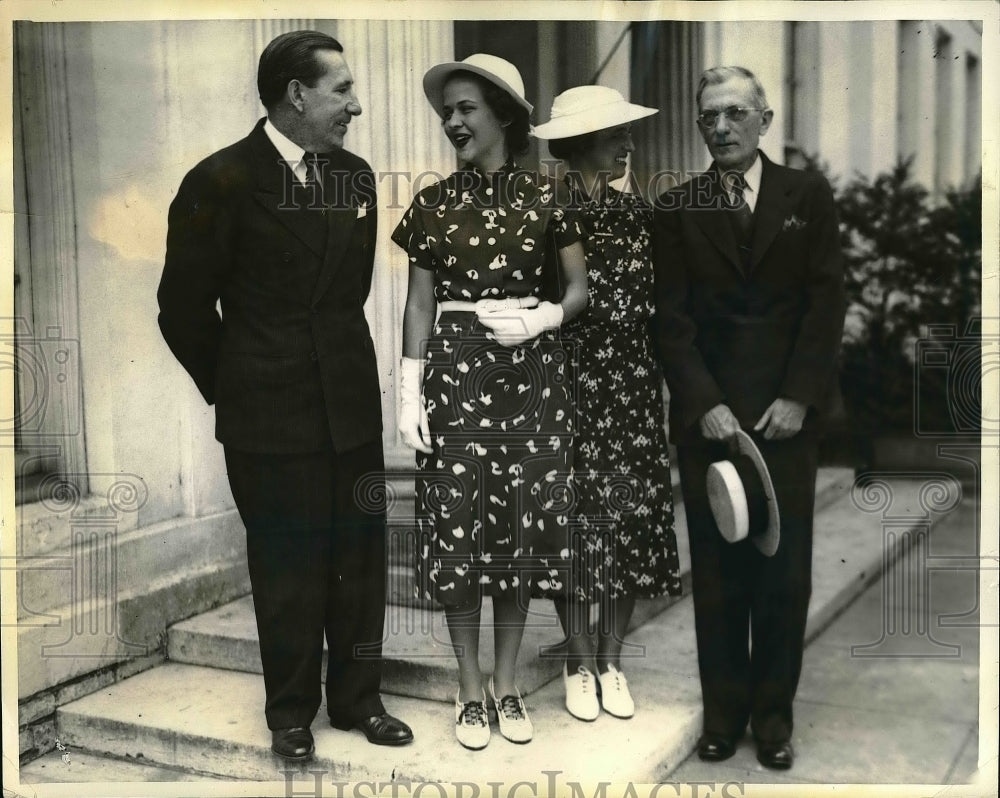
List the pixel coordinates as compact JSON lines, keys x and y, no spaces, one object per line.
{"x":363,"y":211}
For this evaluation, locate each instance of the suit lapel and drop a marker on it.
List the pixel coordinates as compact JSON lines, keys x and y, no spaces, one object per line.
{"x":274,"y":193}
{"x":709,"y":203}
{"x":341,"y":218}
{"x":773,"y":207}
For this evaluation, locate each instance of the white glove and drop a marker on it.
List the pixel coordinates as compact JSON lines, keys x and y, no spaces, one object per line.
{"x":511,"y":303}
{"x":513,"y":327}
{"x":412,"y":420}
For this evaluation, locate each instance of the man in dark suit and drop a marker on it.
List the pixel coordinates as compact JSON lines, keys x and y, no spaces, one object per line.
{"x":750,"y":310}
{"x":279,"y":228}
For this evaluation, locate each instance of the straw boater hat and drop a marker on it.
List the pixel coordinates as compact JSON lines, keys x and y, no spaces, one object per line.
{"x":584,"y":109}
{"x":741,"y":495}
{"x":496,"y":70}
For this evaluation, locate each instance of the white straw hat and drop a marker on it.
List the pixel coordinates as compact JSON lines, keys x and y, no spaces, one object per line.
{"x":742,"y":498}
{"x":496,"y":70}
{"x":584,"y":109}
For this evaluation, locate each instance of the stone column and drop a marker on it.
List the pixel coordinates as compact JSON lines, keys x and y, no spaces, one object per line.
{"x":401,"y":137}
{"x":760,"y":47}
{"x":399,"y":134}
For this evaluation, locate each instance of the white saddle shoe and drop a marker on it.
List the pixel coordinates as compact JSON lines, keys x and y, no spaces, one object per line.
{"x":472,"y":723}
{"x":513,"y":718}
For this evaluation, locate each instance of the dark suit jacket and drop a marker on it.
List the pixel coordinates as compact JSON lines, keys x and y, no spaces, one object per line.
{"x":746,"y":338}
{"x":290,"y":364}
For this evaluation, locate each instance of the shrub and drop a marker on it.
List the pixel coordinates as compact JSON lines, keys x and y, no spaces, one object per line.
{"x":910,"y":263}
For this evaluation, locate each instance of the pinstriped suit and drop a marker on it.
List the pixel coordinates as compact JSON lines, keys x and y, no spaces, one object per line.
{"x":290,"y":367}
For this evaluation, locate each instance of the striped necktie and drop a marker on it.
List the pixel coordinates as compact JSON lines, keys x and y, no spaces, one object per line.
{"x":742,"y":215}
{"x":313,"y":171}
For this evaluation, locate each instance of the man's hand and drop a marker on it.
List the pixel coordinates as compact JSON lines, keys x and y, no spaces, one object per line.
{"x":719,"y":423}
{"x":782,"y":419}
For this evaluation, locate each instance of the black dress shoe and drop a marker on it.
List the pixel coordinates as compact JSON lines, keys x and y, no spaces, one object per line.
{"x":776,"y":756}
{"x":381,"y":729}
{"x":294,"y":744}
{"x":715,"y":747}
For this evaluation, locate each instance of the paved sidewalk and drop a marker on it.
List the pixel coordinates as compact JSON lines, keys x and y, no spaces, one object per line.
{"x":890,"y":695}
{"x":902,"y":717}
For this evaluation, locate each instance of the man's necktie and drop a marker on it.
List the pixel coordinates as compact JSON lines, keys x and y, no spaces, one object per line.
{"x":742,"y":219}
{"x":314,"y":182}
{"x":313,"y":172}
{"x":742,"y":215}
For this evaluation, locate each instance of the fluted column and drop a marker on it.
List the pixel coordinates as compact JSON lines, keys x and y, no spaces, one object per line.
{"x":401,"y":137}
{"x":743,"y":44}
{"x":48,"y":327}
{"x":666,"y":60}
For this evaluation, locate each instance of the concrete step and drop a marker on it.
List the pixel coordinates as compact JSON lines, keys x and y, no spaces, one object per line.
{"x":416,"y":647}
{"x":417,"y":655}
{"x":184,"y":716}
{"x":208,"y":720}
{"x":74,"y":766}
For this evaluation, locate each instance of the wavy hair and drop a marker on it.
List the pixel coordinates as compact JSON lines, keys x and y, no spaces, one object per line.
{"x":505,"y":108}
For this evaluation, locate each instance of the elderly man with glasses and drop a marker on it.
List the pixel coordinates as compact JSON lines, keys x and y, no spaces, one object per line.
{"x":750,"y":310}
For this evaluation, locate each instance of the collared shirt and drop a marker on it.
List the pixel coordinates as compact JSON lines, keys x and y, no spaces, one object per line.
{"x":752,"y":177}
{"x":290,"y":152}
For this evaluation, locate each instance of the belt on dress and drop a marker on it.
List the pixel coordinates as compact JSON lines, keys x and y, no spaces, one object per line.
{"x":489,"y":305}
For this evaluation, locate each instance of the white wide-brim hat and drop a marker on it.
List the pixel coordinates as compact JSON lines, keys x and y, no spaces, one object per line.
{"x":741,"y":496}
{"x":585,"y":109}
{"x":496,"y":70}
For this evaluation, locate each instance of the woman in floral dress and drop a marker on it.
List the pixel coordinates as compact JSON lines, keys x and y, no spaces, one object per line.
{"x":626,"y":548}
{"x":493,"y":425}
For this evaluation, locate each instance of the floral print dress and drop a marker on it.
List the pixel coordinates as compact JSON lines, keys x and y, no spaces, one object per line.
{"x":625,"y":542}
{"x":493,"y":499}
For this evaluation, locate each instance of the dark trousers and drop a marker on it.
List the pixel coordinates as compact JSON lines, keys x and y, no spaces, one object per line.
{"x":740,"y":595}
{"x":316,"y":555}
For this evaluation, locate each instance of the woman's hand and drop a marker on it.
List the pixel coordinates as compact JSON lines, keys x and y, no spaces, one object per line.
{"x":511,"y":303}
{"x":418,"y":319}
{"x":413,"y":424}
{"x":513,"y":327}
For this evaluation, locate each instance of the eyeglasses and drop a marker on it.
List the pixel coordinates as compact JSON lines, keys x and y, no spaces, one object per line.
{"x":733,"y":113}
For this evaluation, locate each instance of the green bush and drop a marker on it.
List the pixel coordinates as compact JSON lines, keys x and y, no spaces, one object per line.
{"x":912,"y":267}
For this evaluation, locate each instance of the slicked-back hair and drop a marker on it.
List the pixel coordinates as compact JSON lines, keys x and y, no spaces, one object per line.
{"x":717,"y":75}
{"x":288,"y":57}
{"x":505,"y":108}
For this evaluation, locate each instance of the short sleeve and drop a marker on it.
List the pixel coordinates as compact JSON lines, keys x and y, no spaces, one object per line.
{"x":566,"y":226}
{"x":411,"y":236}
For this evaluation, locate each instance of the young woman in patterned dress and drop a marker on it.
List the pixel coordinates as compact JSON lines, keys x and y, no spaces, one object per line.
{"x":626,"y":548}
{"x":486,"y":387}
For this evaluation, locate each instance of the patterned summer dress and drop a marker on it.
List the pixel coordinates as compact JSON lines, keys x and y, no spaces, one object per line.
{"x":492,"y":499}
{"x":621,"y":463}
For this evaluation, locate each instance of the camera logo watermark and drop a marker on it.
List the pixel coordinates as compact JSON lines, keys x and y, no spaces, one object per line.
{"x":950,"y":368}
{"x":577,"y":550}
{"x":87,"y":567}
{"x":45,"y":405}
{"x":907,"y":505}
